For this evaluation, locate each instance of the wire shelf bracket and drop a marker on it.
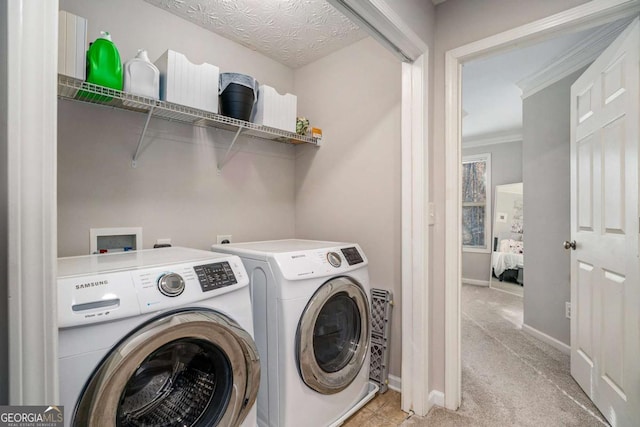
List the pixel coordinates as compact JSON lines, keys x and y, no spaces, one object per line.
{"x":134,"y":161}
{"x":225,"y":159}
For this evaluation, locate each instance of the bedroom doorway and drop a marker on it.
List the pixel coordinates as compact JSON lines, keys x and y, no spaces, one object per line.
{"x":587,"y":15}
{"x":514,"y":326}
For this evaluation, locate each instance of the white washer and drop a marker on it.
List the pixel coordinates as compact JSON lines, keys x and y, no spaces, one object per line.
{"x":156,"y":337}
{"x":312,"y":329}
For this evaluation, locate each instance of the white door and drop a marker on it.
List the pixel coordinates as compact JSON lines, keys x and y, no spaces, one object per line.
{"x":605,"y":280}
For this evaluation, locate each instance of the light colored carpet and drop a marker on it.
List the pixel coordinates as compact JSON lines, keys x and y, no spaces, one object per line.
{"x":508,"y":377}
{"x":512,"y":288}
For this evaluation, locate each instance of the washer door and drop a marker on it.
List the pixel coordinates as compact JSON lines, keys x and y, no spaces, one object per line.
{"x":332,"y":340}
{"x":187,"y":368}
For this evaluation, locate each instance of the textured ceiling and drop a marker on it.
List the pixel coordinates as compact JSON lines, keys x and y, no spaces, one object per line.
{"x":293,"y":32}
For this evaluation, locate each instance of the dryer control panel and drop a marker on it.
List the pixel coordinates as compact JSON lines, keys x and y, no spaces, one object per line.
{"x":352,"y":255}
{"x":320,"y":262}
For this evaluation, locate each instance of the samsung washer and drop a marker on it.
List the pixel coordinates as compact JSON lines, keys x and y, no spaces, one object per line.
{"x":312,"y":329}
{"x":160,"y":337}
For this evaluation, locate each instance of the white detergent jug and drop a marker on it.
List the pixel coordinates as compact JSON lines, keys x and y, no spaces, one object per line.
{"x":141,"y":76}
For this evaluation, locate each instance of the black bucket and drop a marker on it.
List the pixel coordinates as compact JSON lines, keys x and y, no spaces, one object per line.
{"x":237,"y":101}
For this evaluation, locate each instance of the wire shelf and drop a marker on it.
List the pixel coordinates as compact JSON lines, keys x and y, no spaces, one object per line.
{"x":74,"y":89}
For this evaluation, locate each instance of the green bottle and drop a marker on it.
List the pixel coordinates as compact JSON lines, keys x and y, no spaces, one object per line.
{"x":104,"y":67}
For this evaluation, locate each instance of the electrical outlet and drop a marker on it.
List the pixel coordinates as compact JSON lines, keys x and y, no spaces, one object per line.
{"x":223,"y":238}
{"x":162,"y":243}
{"x":567,"y":310}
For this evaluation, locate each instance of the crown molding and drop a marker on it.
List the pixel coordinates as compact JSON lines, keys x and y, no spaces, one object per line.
{"x":571,"y":60}
{"x":492,"y":139}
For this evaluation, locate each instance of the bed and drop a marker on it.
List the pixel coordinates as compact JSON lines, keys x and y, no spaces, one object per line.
{"x":508,"y":260}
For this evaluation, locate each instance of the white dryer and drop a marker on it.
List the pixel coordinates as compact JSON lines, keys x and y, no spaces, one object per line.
{"x":312,"y":328}
{"x":160,"y":337}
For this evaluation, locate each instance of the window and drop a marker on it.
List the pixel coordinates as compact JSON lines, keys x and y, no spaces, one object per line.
{"x":476,"y":203}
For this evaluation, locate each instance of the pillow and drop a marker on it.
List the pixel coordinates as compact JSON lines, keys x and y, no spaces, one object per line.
{"x":512,"y":246}
{"x":516,"y":247}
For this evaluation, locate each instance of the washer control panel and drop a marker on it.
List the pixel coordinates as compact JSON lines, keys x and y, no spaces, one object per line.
{"x":112,"y":295}
{"x":215,"y":276}
{"x":166,"y":287}
{"x":171,"y":284}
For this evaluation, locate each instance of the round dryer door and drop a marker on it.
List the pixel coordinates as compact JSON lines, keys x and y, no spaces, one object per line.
{"x":333,"y":336}
{"x":186,"y":368}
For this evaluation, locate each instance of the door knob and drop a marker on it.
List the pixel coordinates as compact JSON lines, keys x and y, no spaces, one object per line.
{"x":569,"y":245}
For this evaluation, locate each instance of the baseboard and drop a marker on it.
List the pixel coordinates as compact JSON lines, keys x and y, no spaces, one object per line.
{"x":475,"y":282}
{"x":436,"y":398}
{"x":395,"y":383}
{"x":547,"y":339}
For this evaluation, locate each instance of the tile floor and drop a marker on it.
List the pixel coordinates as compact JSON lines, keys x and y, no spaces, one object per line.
{"x":382,"y":411}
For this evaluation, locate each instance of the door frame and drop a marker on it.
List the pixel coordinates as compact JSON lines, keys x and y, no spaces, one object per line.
{"x":588,"y":15}
{"x":28,"y":129}
{"x":415,"y":236}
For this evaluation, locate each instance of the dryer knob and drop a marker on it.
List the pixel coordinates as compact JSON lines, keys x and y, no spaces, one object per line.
{"x":171,"y":284}
{"x":334,"y":259}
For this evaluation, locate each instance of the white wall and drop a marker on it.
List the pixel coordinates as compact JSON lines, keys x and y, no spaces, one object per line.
{"x":175,"y":191}
{"x":506,"y":168}
{"x":459,"y":22}
{"x":419,"y":15}
{"x":546,"y":209}
{"x":349,"y":189}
